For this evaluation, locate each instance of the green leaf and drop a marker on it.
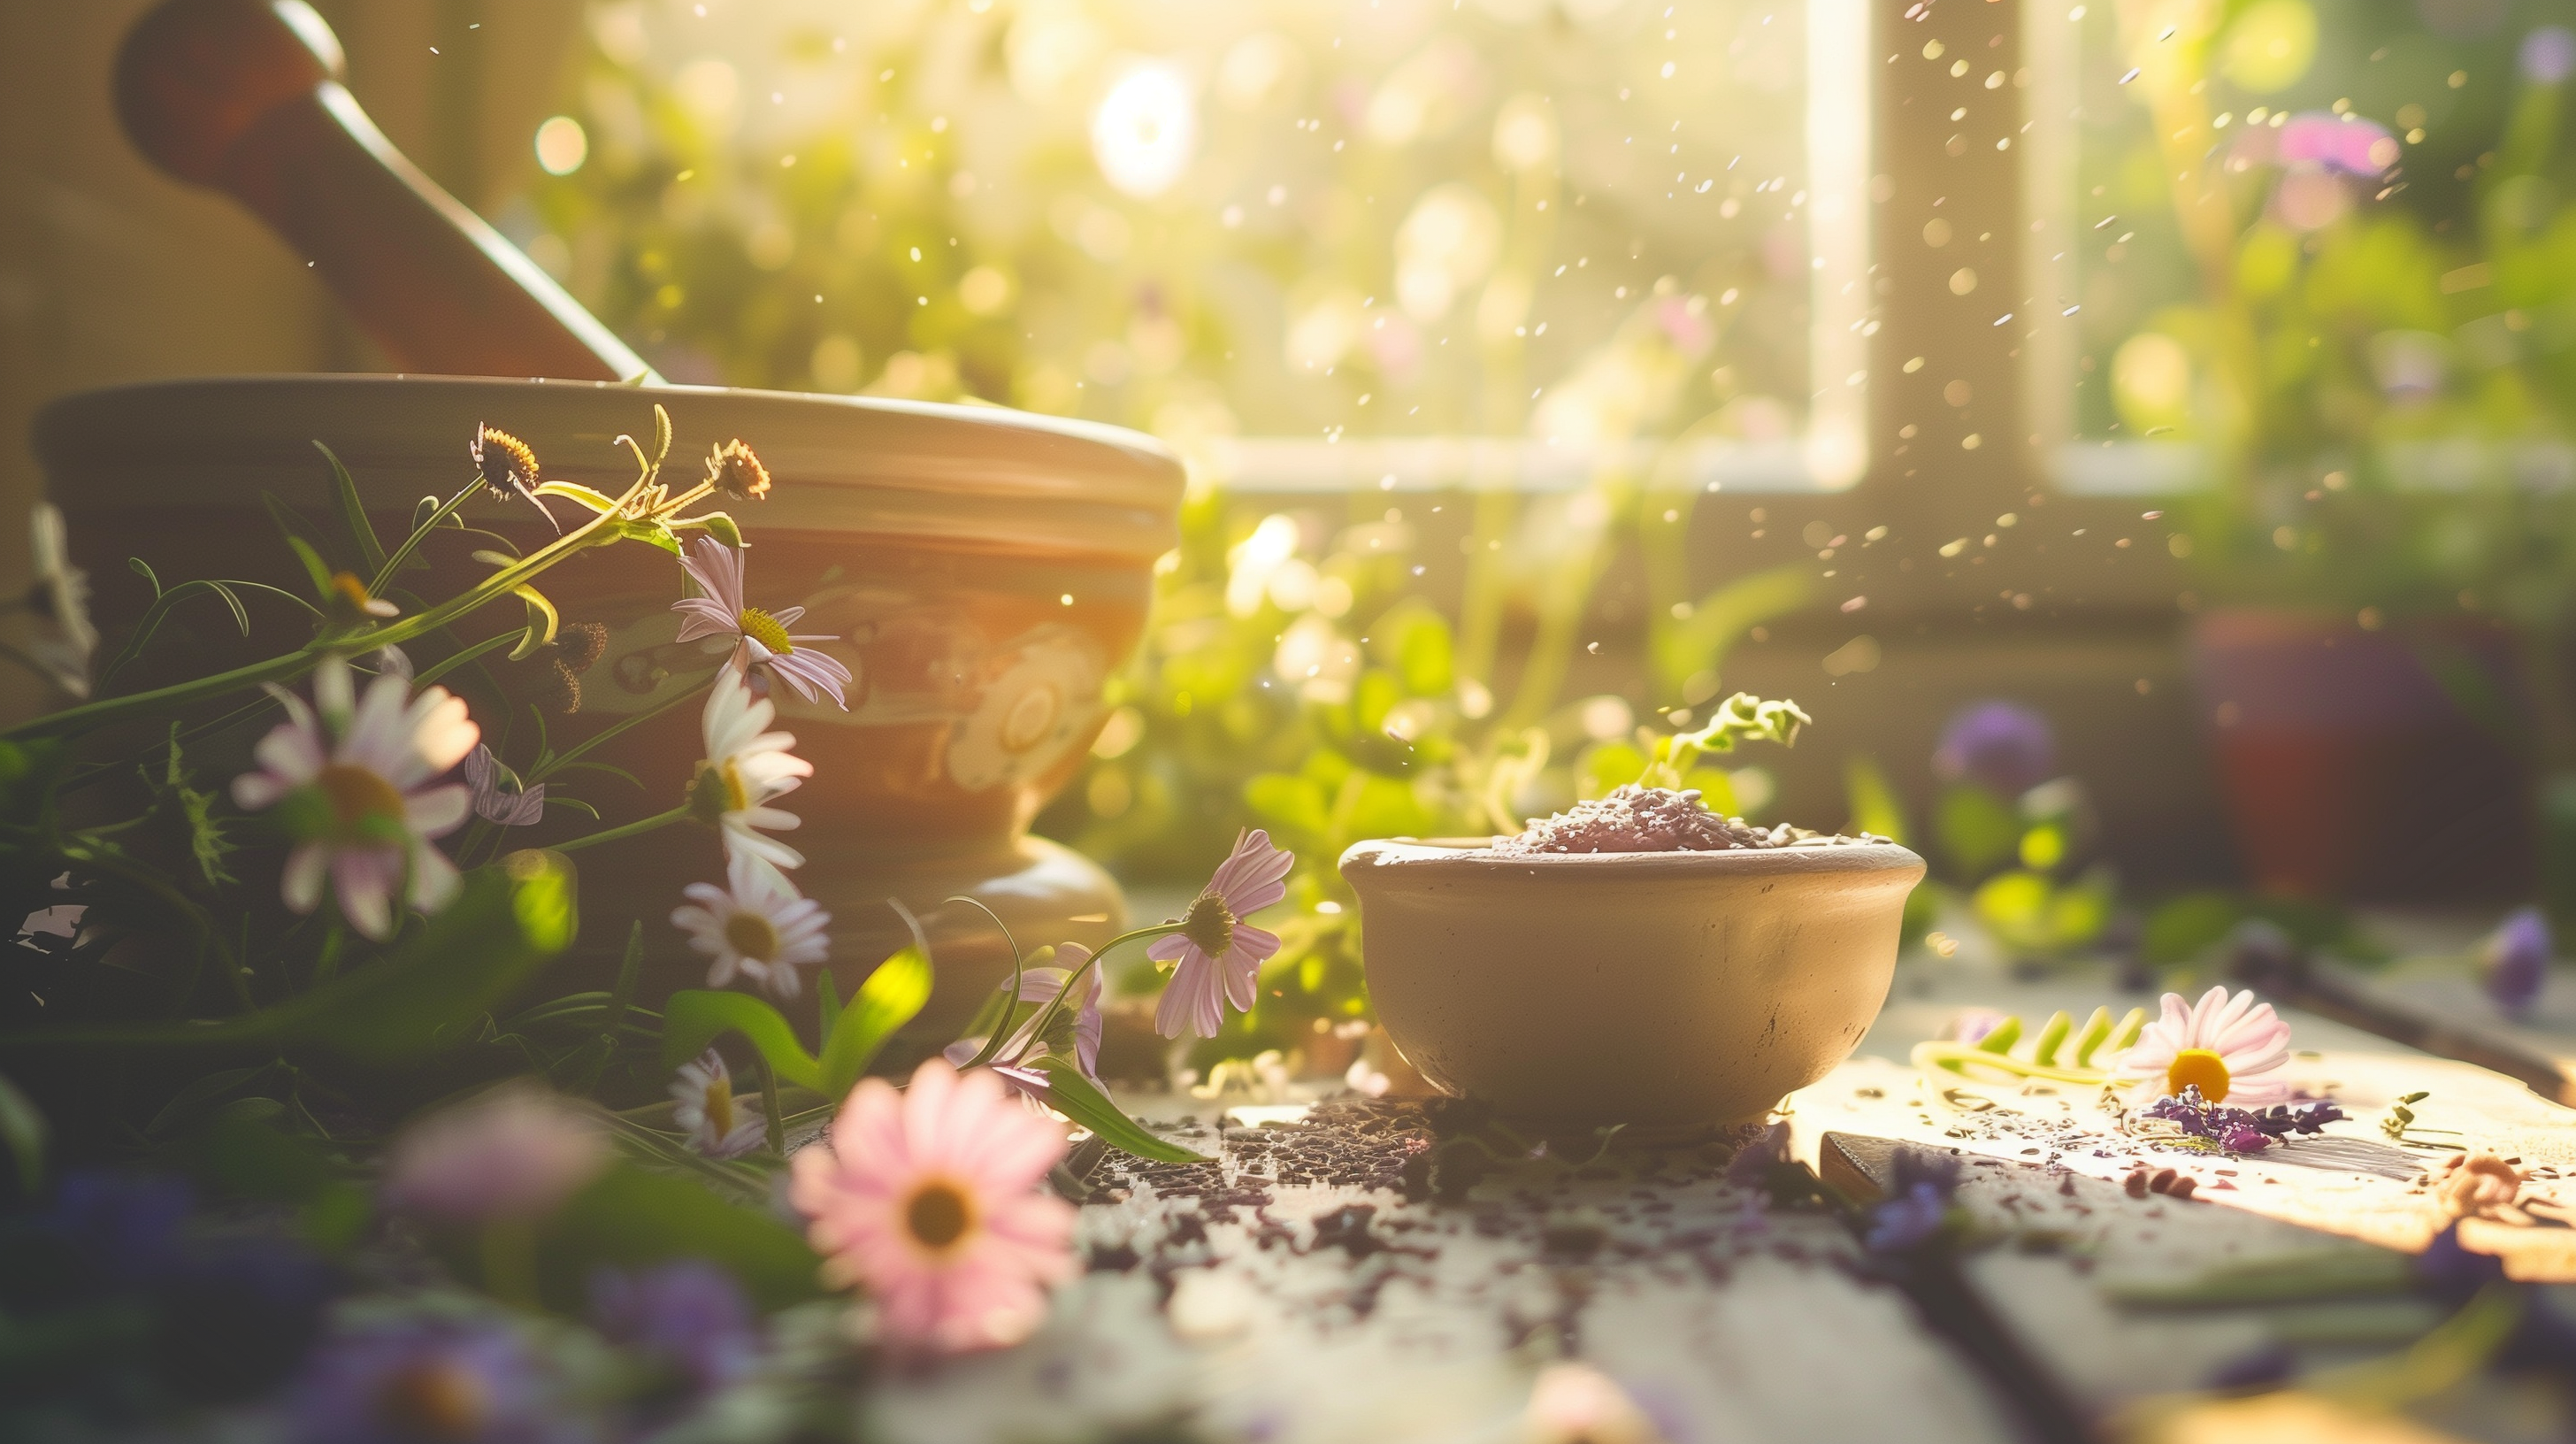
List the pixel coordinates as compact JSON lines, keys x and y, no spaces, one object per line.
{"x":542,"y":621}
{"x":827,"y":1002}
{"x":720,"y":526}
{"x":185,"y":1104}
{"x":694,"y":1017}
{"x":22,"y":1130}
{"x":632,"y":1217}
{"x":314,"y":566}
{"x":302,"y":534}
{"x":2177,"y":931}
{"x":2089,"y":1040}
{"x":2052,"y":1035}
{"x":353,"y":513}
{"x":2001,"y":1040}
{"x":510,"y":918}
{"x":1081,"y":1100}
{"x":890,"y":998}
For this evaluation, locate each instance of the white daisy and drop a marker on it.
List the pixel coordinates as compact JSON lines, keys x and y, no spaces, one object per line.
{"x":746,"y":766}
{"x":702,"y":1101}
{"x":758,"y":927}
{"x":349,"y":785}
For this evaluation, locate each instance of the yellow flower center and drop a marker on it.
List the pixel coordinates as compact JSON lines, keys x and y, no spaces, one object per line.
{"x":765,"y":629}
{"x":1210,"y":924}
{"x":434,"y":1400}
{"x":362,"y":803}
{"x":718,"y":1105}
{"x":715,"y":791}
{"x":938,"y":1214}
{"x":752,"y":935}
{"x":350,"y":590}
{"x":2201,"y":1068}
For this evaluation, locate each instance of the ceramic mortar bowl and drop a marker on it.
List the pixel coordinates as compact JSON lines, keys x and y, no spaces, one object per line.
{"x":985,"y":570}
{"x":1671,"y":992}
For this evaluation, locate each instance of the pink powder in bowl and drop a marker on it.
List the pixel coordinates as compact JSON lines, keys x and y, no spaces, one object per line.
{"x":1652,"y":819}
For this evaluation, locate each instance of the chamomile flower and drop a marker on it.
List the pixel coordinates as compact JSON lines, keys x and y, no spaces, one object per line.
{"x":702,"y":1101}
{"x":506,"y":465}
{"x":2235,"y":1050}
{"x":352,"y":782}
{"x":761,"y":638}
{"x":747,"y":766}
{"x":757,"y":927}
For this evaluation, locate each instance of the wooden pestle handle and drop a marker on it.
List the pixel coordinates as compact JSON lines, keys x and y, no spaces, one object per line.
{"x":245,"y":96}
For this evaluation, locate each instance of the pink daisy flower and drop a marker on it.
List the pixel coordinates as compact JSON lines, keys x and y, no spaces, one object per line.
{"x":1217,"y":956}
{"x":348,"y":777}
{"x":761,"y":638}
{"x":2234,"y":1049}
{"x":930,"y":1198}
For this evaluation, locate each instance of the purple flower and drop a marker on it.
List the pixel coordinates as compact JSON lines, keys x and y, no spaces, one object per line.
{"x":761,"y":638}
{"x":1919,"y":1206}
{"x":2517,"y":961}
{"x":1752,"y":1164}
{"x":2345,"y":143}
{"x":1908,"y":1220}
{"x":1217,"y":956}
{"x":2548,"y":54}
{"x":439,"y":1379}
{"x":2240,"y":1130}
{"x":126,"y":1225}
{"x":491,"y":803}
{"x":2001,"y":746}
{"x":688,"y":1316}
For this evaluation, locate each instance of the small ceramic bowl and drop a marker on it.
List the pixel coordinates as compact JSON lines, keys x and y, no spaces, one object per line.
{"x":1672,"y":992}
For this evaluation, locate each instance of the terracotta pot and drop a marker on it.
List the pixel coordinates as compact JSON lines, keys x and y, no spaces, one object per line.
{"x":986,"y":571}
{"x":1671,"y":992}
{"x":2367,"y":764}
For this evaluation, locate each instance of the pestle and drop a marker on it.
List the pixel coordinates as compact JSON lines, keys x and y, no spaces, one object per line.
{"x":245,"y":96}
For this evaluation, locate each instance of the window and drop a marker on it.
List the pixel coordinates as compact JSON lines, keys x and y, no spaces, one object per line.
{"x":1390,"y":243}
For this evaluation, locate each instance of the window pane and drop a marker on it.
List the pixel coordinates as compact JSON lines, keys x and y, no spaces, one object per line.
{"x":2211,"y":185}
{"x":1571,"y":223}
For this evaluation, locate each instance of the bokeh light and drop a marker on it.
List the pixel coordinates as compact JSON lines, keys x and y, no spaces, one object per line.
{"x":1145,"y":131}
{"x":562,"y":145}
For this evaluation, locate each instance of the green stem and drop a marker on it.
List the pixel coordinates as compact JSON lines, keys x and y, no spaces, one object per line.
{"x":1056,"y":1003}
{"x":394,"y":564}
{"x":553,"y":765}
{"x":770,"y":1109}
{"x":632,"y":829}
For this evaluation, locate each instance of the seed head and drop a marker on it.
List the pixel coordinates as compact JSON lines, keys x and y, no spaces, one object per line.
{"x":735,"y":471}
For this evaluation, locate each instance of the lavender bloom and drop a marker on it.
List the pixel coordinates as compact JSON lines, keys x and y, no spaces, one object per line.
{"x":2348,"y":144}
{"x":2241,"y":1130}
{"x":1752,"y":1164}
{"x":124,"y":1224}
{"x":688,"y":1316}
{"x":2002,"y":746}
{"x":491,"y":803}
{"x":2547,"y":54}
{"x":436,"y":1379}
{"x":1919,"y":1206}
{"x":2517,"y":961}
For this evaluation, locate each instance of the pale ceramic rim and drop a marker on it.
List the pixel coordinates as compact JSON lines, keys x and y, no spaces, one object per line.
{"x":1461,"y":855}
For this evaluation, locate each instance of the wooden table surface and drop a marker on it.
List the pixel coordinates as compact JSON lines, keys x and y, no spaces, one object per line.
{"x":1298,"y":1289}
